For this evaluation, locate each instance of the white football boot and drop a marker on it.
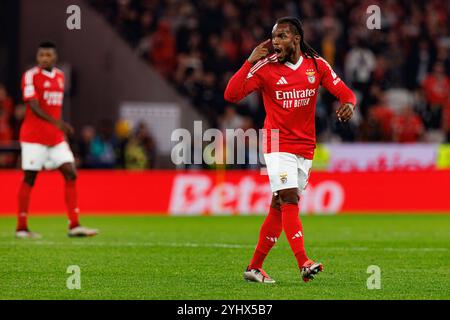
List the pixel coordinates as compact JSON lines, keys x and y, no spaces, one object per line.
{"x":310,"y":269}
{"x":27,"y":234}
{"x":82,"y":232}
{"x":257,"y":275}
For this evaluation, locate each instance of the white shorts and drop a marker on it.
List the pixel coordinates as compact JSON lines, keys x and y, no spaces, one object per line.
{"x":37,"y":156}
{"x":287,"y":170}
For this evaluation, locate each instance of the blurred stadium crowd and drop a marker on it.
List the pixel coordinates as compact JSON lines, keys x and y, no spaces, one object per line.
{"x":401,"y":73}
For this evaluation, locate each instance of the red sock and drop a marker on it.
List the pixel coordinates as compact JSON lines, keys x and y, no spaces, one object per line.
{"x":268,"y":236}
{"x":293,"y":229}
{"x":24,"y":201}
{"x":72,"y":203}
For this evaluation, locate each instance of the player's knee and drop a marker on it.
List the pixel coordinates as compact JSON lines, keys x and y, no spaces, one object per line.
{"x":276,"y":206}
{"x":29,"y":181}
{"x":68,"y":171}
{"x":30,"y":178}
{"x":70,"y":175}
{"x":275,"y":202}
{"x":288,"y":196}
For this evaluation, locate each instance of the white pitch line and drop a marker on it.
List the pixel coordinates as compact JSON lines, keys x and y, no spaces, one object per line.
{"x":210,"y":245}
{"x":132,"y":244}
{"x":385,"y":249}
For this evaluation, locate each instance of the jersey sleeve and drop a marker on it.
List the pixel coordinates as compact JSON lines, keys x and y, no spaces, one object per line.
{"x":243,"y":82}
{"x":63,"y":80}
{"x":334,"y":84}
{"x":28,"y":89}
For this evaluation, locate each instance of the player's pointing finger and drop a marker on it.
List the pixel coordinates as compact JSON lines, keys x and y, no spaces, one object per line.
{"x":262,"y":44}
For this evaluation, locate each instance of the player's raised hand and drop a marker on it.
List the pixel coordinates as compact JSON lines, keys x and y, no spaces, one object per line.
{"x":66,"y":128}
{"x":345,"y":112}
{"x":259,"y":52}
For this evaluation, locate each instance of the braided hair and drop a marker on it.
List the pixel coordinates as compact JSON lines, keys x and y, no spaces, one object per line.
{"x":297,"y":28}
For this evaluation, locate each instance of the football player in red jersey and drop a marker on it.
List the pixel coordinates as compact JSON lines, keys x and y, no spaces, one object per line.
{"x":289,"y":81}
{"x":42,"y":139}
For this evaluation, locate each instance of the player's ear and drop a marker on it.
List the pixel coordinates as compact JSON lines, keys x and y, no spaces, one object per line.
{"x":297,"y":38}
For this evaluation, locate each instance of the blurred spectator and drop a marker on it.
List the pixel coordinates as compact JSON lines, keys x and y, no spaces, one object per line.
{"x":437,"y":85}
{"x":17,"y":119}
{"x":128,"y":19}
{"x":407,"y":126}
{"x":359,"y":66}
{"x":230,"y":119}
{"x":6,"y":132}
{"x":162,"y":50}
{"x":6,"y":112}
{"x":251,"y":145}
{"x":418,"y":63}
{"x":370,"y":129}
{"x":86,"y":156}
{"x":123,"y":132}
{"x":209,"y":97}
{"x":140,"y":149}
{"x":436,"y":88}
{"x":446,"y":122}
{"x":383,"y":115}
{"x":8,"y":157}
{"x":104,"y":146}
{"x":6,"y":102}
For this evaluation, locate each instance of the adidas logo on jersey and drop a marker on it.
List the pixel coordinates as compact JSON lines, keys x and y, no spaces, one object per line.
{"x":282,"y":81}
{"x":297,"y":235}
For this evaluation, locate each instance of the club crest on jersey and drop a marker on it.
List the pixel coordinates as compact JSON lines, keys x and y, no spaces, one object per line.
{"x":283,"y":177}
{"x":47,"y":84}
{"x":311,"y":75}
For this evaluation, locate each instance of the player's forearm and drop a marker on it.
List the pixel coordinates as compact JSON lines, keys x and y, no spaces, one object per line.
{"x":344,"y":94}
{"x":236,"y":87}
{"x":34,"y":105}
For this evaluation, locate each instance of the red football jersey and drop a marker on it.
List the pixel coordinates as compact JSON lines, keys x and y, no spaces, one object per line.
{"x":289,"y":94}
{"x":48,"y":88}
{"x":436,"y":90}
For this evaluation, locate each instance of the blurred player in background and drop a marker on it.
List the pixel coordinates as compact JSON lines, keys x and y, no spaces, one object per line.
{"x":42,"y":138}
{"x":289,"y":81}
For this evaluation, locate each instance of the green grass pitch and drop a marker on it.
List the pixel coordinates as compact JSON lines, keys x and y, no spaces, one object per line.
{"x":184,"y":258}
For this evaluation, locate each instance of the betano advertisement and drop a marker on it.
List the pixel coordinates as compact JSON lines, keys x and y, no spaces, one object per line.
{"x":232,"y":192}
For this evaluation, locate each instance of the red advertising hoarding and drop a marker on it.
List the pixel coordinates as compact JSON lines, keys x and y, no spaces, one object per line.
{"x":231,"y":192}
